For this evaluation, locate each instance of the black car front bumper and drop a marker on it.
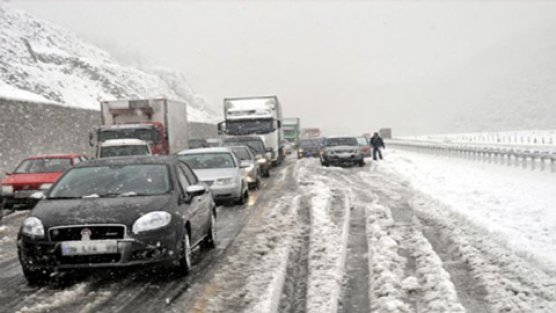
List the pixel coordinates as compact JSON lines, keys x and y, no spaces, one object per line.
{"x":158,"y":246}
{"x":350,"y":159}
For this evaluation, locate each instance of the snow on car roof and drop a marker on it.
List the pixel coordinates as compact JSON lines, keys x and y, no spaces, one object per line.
{"x":206,"y":150}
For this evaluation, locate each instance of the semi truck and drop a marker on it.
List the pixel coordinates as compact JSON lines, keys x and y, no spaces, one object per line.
{"x":162,"y":123}
{"x":310,"y":133}
{"x":260,"y":116}
{"x":292,"y":130}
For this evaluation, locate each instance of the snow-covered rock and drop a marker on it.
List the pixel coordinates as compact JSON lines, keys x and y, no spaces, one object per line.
{"x":41,"y":61}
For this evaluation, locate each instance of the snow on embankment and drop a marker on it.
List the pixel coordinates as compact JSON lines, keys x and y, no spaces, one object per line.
{"x":512,"y":206}
{"x":39,"y":60}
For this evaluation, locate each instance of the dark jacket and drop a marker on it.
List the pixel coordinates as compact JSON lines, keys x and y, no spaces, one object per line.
{"x":377,"y":142}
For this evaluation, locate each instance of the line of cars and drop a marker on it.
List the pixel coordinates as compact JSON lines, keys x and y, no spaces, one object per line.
{"x":126,"y":208}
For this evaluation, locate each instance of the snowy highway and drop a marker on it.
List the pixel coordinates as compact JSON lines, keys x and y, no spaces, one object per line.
{"x":314,"y":239}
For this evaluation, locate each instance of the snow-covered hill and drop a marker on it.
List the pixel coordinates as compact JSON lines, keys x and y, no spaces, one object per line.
{"x":37,"y":57}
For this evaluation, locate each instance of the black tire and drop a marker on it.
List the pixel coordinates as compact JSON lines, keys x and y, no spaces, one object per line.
{"x":184,"y":263}
{"x":361,"y":163}
{"x":325,"y":164}
{"x":244,"y":197}
{"x":266,"y":173}
{"x":37,"y":277}
{"x":210,"y":239}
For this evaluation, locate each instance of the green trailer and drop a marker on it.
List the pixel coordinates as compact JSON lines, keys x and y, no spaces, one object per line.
{"x":292,"y":130}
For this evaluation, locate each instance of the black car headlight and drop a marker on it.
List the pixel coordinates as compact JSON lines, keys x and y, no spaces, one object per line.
{"x":33,"y":227}
{"x":151,"y":221}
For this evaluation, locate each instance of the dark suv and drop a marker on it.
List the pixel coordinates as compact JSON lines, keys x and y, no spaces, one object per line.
{"x":341,"y":151}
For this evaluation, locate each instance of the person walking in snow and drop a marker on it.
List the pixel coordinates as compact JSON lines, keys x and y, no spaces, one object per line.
{"x":376,"y":144}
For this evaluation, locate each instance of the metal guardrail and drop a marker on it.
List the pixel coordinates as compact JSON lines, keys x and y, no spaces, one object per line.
{"x":510,"y":156}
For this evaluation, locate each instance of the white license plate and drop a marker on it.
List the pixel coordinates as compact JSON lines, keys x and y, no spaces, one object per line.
{"x":89,"y":247}
{"x":345,"y":155}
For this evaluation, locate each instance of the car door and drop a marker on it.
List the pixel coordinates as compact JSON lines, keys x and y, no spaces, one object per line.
{"x":204,"y":201}
{"x":191,"y":206}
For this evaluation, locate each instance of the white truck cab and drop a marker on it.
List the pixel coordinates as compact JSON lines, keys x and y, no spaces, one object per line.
{"x":123,"y":147}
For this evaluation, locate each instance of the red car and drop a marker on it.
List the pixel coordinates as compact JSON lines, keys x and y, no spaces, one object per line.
{"x":35,"y":174}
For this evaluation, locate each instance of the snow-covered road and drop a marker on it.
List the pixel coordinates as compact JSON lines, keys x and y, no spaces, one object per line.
{"x":317,"y":239}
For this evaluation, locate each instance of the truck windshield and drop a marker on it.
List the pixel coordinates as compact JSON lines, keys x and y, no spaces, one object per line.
{"x":244,"y":127}
{"x":113,"y":181}
{"x":347,"y":141}
{"x":146,"y":134}
{"x":289,"y":132}
{"x":115,"y":151}
{"x":43,"y":166}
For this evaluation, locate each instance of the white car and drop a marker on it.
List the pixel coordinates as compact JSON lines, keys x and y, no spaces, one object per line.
{"x":123,"y":147}
{"x":220,"y":170}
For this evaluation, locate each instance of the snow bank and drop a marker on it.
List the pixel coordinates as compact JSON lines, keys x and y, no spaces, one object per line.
{"x":14,"y":93}
{"x":514,"y":206}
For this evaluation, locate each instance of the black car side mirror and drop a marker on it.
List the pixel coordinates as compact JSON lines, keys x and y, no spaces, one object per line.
{"x":196,"y":190}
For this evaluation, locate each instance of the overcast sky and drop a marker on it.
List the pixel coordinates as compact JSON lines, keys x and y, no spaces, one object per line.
{"x":324,"y":59}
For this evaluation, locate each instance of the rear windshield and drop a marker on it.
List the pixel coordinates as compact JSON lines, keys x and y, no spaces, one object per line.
{"x":43,"y":166}
{"x":197,"y":143}
{"x":113,"y":181}
{"x":346,"y":141}
{"x":256,"y":145}
{"x":208,"y":160}
{"x":362,"y":141}
{"x":241,"y":153}
{"x":116,"y":151}
{"x":309,"y":143}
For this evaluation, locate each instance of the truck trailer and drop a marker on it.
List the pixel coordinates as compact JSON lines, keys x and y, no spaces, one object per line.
{"x":292,"y":130}
{"x":162,"y":123}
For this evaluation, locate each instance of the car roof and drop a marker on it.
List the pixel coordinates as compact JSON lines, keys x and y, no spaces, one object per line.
{"x":54,"y":156}
{"x":206,"y":150}
{"x":127,"y":160}
{"x":333,"y":137}
{"x":243,"y":138}
{"x":122,"y":142}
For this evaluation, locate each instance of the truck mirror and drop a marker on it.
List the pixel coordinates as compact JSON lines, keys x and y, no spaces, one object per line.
{"x":221,"y":128}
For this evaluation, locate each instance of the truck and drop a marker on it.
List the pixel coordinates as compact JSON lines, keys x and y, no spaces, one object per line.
{"x":292,"y":130}
{"x":385,"y":133}
{"x":258,"y":115}
{"x":310,"y":133}
{"x":162,"y":123}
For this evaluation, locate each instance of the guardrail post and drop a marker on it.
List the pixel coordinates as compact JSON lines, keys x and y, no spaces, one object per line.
{"x":533,"y":161}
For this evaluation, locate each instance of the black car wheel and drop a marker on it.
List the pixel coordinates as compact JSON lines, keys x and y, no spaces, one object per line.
{"x":184,"y":265}
{"x":243,"y":199}
{"x":361,"y":163}
{"x":266,"y":173}
{"x":325,"y":164}
{"x":210,"y":239}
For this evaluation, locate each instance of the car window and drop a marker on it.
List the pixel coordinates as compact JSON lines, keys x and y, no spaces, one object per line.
{"x":182,"y":179}
{"x":47,"y":165}
{"x":189,"y":174}
{"x":362,"y":141}
{"x":209,"y":160}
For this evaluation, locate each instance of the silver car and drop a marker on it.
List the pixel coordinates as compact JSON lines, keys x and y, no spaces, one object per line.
{"x":220,"y":170}
{"x":248,"y":164}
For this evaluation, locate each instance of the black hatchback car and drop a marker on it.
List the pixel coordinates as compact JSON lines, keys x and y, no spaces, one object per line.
{"x":118,"y":212}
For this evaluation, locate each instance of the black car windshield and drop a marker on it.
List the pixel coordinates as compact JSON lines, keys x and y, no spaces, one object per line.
{"x":309,"y":143}
{"x":256,"y":145}
{"x":345,"y":141}
{"x":146,"y":134}
{"x":242,"y":153}
{"x":244,"y":127}
{"x":43,"y":166}
{"x":112,"y":181}
{"x":209,"y":160}
{"x":115,"y":151}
